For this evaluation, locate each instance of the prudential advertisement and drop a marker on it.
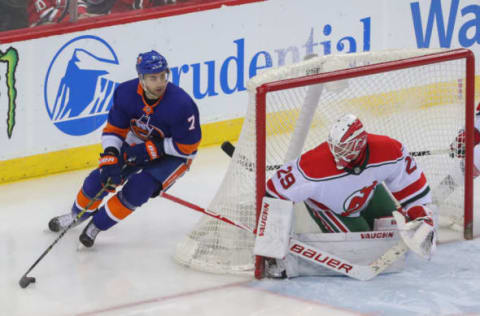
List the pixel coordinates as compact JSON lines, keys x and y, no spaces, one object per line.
{"x":59,"y":97}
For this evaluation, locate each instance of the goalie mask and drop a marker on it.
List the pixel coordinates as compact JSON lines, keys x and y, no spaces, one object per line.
{"x":347,"y":140}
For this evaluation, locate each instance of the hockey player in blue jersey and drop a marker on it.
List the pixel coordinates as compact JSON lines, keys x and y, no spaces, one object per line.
{"x":151,"y":137}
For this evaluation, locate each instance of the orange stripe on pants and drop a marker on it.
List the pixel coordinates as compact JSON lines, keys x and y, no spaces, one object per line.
{"x":117,"y":209}
{"x":176,"y":174}
{"x":83,"y":200}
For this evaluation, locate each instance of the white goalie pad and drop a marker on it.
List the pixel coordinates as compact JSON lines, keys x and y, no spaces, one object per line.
{"x":274,"y":226}
{"x":384,"y":223}
{"x":360,"y":248}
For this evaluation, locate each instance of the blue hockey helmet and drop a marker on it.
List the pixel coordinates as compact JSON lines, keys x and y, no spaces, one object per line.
{"x":151,"y":63}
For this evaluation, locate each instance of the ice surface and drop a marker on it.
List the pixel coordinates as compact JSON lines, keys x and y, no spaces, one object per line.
{"x":130,"y":271}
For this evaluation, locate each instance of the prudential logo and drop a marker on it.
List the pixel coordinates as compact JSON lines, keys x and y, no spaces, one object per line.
{"x":78,"y":88}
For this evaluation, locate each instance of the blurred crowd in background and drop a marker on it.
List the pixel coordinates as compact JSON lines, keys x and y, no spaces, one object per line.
{"x":16,"y":14}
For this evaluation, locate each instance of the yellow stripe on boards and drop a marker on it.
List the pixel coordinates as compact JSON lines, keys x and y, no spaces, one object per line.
{"x":87,"y":156}
{"x":49,"y":163}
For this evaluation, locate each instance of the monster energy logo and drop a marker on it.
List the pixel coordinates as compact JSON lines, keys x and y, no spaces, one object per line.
{"x":10,"y":57}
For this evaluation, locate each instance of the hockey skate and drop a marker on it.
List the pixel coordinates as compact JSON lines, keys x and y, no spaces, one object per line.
{"x":59,"y":223}
{"x":89,"y":233}
{"x":275,"y":269}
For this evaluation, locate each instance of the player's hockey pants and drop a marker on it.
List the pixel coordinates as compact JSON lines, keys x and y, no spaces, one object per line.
{"x":141,"y":184}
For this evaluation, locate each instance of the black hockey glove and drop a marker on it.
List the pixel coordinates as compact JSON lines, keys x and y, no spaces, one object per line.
{"x":110,"y":165}
{"x":142,"y":153}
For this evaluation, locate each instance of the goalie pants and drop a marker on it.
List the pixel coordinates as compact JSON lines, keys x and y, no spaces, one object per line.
{"x":381,"y":205}
{"x":141,"y":183}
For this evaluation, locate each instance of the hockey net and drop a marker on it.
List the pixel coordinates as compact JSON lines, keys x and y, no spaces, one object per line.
{"x":420,"y":97}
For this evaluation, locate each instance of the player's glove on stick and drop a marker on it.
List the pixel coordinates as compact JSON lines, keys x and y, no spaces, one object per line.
{"x":417,"y":230}
{"x":140,"y":154}
{"x":110,"y":165}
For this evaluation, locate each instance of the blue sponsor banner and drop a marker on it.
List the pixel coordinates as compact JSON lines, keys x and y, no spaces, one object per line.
{"x":78,"y":90}
{"x":445,"y":19}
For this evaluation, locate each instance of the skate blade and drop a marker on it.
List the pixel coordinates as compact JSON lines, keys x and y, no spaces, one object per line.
{"x":81,"y":247}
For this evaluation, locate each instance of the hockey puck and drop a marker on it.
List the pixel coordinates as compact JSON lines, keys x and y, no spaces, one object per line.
{"x":25,"y":281}
{"x":228,"y":148}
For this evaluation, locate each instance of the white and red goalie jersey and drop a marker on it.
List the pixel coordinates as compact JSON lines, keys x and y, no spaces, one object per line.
{"x":314,"y":179}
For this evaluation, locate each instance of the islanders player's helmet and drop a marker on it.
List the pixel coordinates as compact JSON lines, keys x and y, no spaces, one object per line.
{"x":347,"y":140}
{"x":151,"y":63}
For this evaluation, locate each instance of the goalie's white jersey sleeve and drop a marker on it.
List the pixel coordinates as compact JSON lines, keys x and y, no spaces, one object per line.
{"x":314,"y":178}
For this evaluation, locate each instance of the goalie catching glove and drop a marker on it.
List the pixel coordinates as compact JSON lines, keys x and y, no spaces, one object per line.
{"x":417,"y":229}
{"x":142,"y":153}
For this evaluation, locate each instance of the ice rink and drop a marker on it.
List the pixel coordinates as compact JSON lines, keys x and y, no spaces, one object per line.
{"x":130,"y":271}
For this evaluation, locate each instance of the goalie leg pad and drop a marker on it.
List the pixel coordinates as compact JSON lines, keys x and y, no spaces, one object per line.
{"x":358,"y":248}
{"x":384,"y":223}
{"x":274,"y":226}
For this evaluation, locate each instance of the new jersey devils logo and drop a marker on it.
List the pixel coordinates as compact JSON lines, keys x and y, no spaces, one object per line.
{"x":358,"y":199}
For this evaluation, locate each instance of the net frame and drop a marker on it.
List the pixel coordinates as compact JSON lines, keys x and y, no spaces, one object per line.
{"x":265,"y":88}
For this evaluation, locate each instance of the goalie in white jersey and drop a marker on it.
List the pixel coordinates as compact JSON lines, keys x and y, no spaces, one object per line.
{"x":340,"y":182}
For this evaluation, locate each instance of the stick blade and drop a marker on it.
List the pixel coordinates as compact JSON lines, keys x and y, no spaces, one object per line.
{"x":25,"y":281}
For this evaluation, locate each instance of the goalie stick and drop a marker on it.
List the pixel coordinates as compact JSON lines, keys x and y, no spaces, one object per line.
{"x":229,"y":149}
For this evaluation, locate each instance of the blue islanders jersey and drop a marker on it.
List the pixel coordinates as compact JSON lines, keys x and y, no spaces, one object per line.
{"x":174,"y":118}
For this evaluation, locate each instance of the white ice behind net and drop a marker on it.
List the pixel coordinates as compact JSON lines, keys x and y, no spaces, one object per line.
{"x":423,"y":107}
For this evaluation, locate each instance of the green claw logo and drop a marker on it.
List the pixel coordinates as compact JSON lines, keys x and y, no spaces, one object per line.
{"x":10,"y":57}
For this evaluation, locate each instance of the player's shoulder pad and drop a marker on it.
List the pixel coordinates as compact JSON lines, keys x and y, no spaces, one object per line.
{"x":182,"y":100}
{"x":127,"y":89}
{"x":129,"y":85}
{"x":383,"y":148}
{"x":318,"y":163}
{"x":180,"y":95}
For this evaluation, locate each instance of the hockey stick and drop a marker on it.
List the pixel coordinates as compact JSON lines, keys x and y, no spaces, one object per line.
{"x":312,"y":254}
{"x":26,"y":280}
{"x":429,"y":152}
{"x":205,"y":211}
{"x":229,"y":149}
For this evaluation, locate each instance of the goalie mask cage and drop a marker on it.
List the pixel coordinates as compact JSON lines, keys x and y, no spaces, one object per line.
{"x":420,"y":97}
